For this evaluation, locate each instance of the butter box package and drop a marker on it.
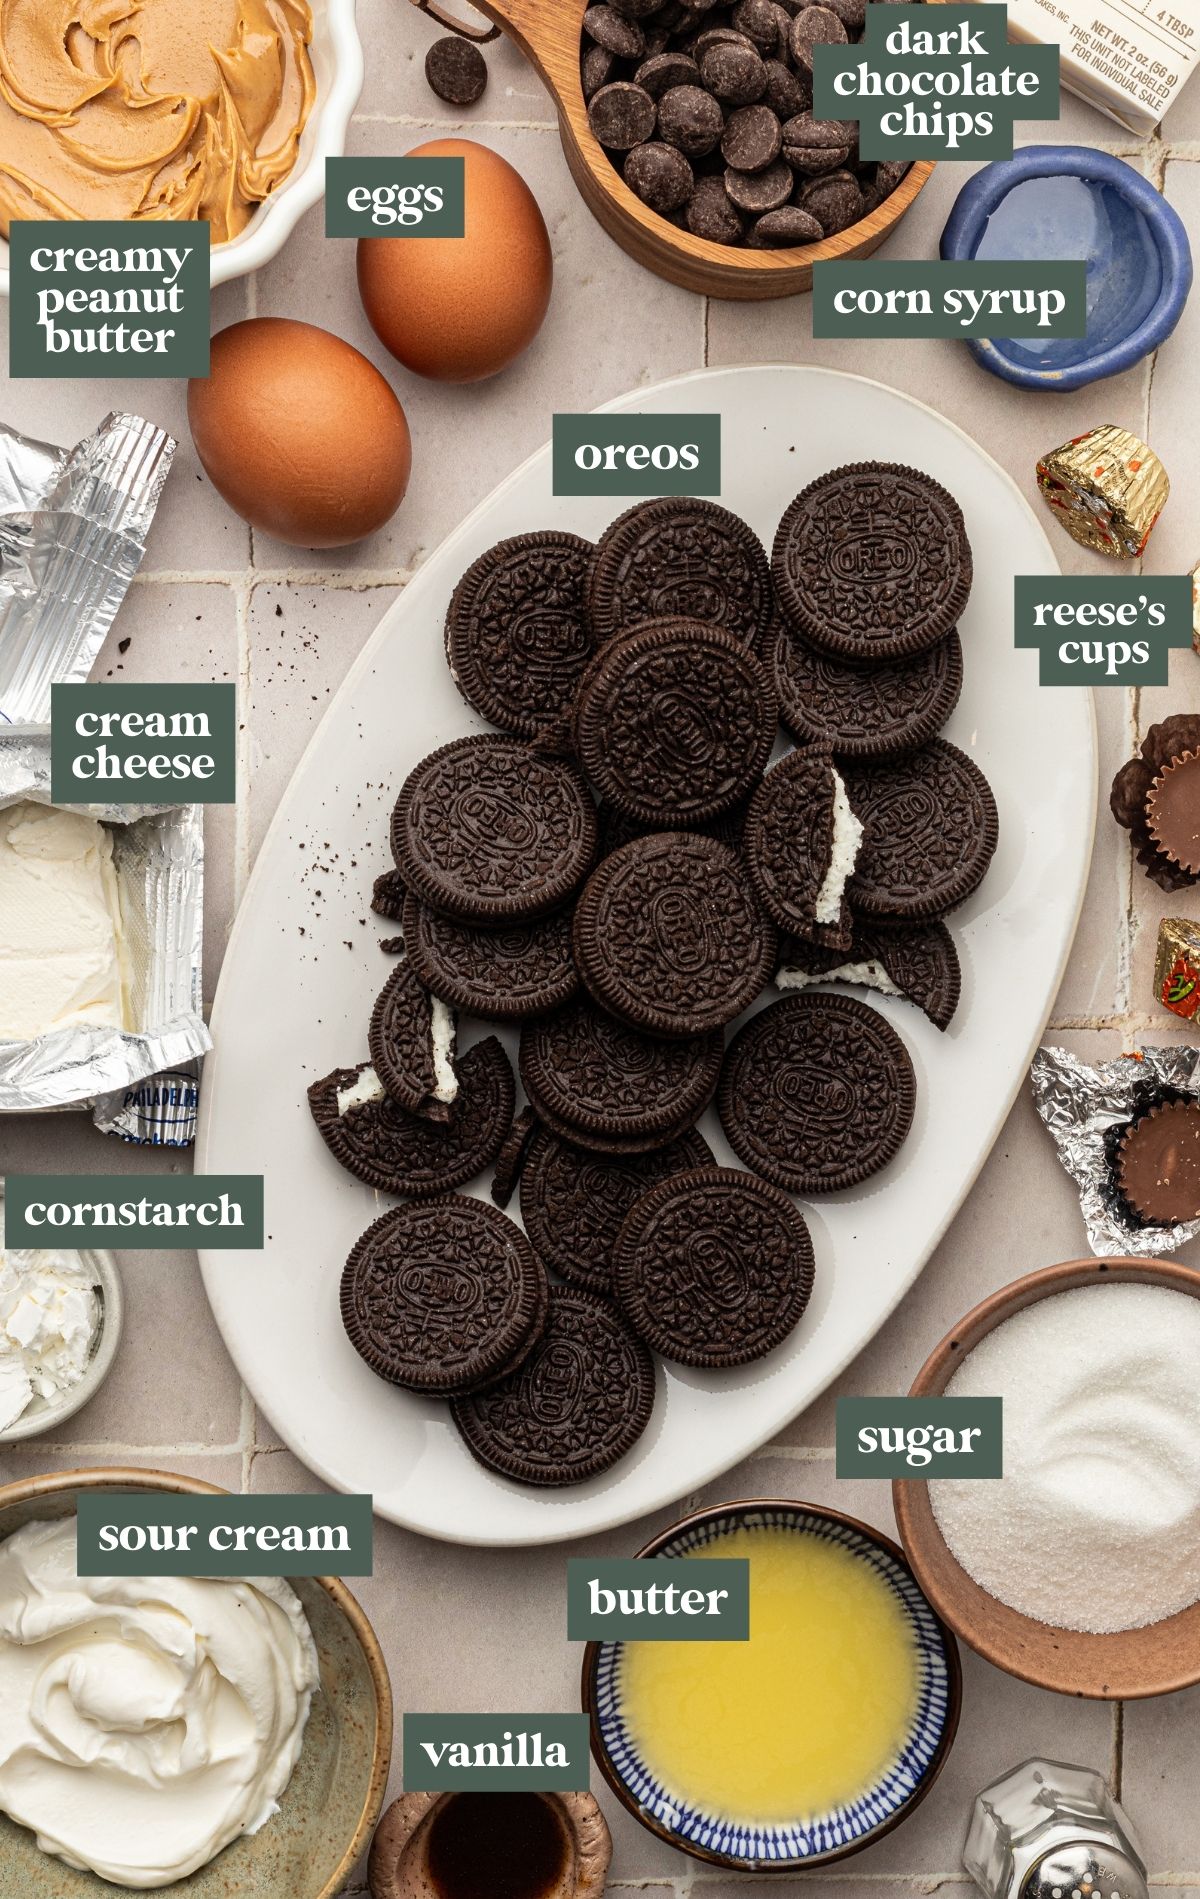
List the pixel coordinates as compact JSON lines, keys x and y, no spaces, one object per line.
{"x":1131,"y":61}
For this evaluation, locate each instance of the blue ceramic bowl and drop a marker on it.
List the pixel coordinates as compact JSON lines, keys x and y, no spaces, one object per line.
{"x":829,"y":1836}
{"x":1067,"y":201}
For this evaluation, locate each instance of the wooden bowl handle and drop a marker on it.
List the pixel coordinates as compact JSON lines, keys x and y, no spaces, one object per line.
{"x":539,"y":37}
{"x":478,"y":35}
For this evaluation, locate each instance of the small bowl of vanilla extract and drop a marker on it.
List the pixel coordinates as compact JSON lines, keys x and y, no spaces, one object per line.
{"x":491,"y":1846}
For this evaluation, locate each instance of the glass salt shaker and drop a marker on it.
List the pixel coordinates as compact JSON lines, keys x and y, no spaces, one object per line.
{"x":1050,"y":1831}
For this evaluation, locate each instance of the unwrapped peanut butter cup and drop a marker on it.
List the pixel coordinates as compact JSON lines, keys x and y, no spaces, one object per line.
{"x":1158,"y":1164}
{"x":1173,"y":812}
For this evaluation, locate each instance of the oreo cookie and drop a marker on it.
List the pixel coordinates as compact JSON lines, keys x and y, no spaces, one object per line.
{"x":510,"y":1161}
{"x":876,"y":711}
{"x":444,"y":1297}
{"x":573,"y":1203}
{"x":931,"y":829}
{"x":576,"y":1406}
{"x":915,"y":960}
{"x":674,"y":723}
{"x":713,"y":1268}
{"x":517,"y":633}
{"x":680,"y":558}
{"x":597,"y":1080}
{"x":488,"y":832}
{"x":872,"y":562}
{"x":506,"y":974}
{"x":669,"y":937}
{"x":411,"y":1040}
{"x":801,"y":843}
{"x":817,"y":1093}
{"x":374,"y":1139}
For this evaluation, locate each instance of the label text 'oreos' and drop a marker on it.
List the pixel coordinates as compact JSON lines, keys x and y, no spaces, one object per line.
{"x":158,"y":1533}
{"x":444,"y":1753}
{"x":158,"y":741}
{"x":637,"y":455}
{"x":106,"y":298}
{"x":658,"y":1599}
{"x":1102,"y":629}
{"x":920,"y":1437}
{"x":134,"y":1211}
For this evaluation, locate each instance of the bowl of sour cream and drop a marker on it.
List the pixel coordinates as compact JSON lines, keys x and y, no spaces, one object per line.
{"x":206,"y":1737}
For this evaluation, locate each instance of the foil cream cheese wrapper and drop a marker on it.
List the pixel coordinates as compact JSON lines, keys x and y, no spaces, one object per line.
{"x":139,"y":1080}
{"x":1085,"y":1110}
{"x":73,"y":527}
{"x":1107,"y":489}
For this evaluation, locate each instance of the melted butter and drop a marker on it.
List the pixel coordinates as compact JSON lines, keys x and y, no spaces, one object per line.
{"x":157,"y":109}
{"x":805,"y":1715}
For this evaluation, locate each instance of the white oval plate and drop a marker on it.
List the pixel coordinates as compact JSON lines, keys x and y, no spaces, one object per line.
{"x":302,"y":972}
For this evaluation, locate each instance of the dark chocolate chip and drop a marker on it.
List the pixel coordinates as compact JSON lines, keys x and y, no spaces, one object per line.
{"x":816,"y":145}
{"x":836,"y":201}
{"x":660,"y":175}
{"x":753,"y":138}
{"x":691,"y":119}
{"x":816,"y":26}
{"x":718,"y":36}
{"x":759,"y":21}
{"x":887,"y":176}
{"x":596,"y":68}
{"x":621,"y":115}
{"x":851,"y":13}
{"x":734,"y":74}
{"x":664,"y":70}
{"x":456,"y":70}
{"x":710,"y":214}
{"x":759,"y":191}
{"x":778,"y":230}
{"x":636,"y":9}
{"x":787,"y":93}
{"x":614,"y":32}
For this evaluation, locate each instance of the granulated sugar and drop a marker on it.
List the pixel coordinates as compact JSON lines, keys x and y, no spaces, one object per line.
{"x":1095,"y":1524}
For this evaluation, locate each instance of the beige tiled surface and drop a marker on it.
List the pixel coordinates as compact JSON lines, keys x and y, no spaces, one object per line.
{"x":464,"y":1627}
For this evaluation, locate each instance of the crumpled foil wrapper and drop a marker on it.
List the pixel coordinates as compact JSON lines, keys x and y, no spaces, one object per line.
{"x":1084,"y":1107}
{"x":73,"y":527}
{"x":141,"y":1082}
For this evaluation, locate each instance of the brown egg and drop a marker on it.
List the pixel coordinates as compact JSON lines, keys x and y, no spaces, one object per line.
{"x":299,"y":433}
{"x":461,"y":308}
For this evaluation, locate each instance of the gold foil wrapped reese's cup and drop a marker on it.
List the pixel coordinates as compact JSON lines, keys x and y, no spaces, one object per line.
{"x":1107,"y":489}
{"x":1177,"y":967}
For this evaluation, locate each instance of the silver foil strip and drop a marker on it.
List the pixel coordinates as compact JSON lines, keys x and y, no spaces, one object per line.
{"x":1083,"y":1107}
{"x":130,"y":1076}
{"x":73,"y":527}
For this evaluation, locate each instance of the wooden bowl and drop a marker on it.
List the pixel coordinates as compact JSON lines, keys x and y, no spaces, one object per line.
{"x":549,"y":33}
{"x":1129,"y":1665}
{"x":325,"y":1817}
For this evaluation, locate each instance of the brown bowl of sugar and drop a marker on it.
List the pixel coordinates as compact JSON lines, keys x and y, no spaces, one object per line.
{"x":1079,"y":1569}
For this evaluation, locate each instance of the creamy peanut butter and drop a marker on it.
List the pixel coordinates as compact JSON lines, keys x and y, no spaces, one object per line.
{"x":150,"y":108}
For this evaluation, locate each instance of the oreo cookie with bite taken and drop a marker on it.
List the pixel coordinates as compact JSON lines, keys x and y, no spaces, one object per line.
{"x":411,"y":1040}
{"x":683,"y":558}
{"x":374,"y":1139}
{"x":507,"y":974}
{"x":669,"y":935}
{"x":517,"y":633}
{"x":674,"y":723}
{"x":930,"y":831}
{"x":387,"y":896}
{"x":713,"y":1268}
{"x":444,"y":1297}
{"x":573,"y":1203}
{"x":801,"y":842}
{"x":488,"y":831}
{"x":578,"y":1403}
{"x":915,"y":960}
{"x":872,"y":562}
{"x":593,"y":1078}
{"x":875,"y":711}
{"x":817,"y":1093}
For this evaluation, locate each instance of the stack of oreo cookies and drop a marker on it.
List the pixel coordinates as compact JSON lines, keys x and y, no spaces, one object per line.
{"x":617,"y":872}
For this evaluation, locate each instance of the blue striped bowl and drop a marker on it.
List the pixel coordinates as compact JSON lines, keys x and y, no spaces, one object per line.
{"x":843,"y":1830}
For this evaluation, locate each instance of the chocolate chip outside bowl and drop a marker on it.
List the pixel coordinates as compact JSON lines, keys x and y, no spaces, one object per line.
{"x":326,"y":1815}
{"x":1128,"y":1665}
{"x":549,"y":35}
